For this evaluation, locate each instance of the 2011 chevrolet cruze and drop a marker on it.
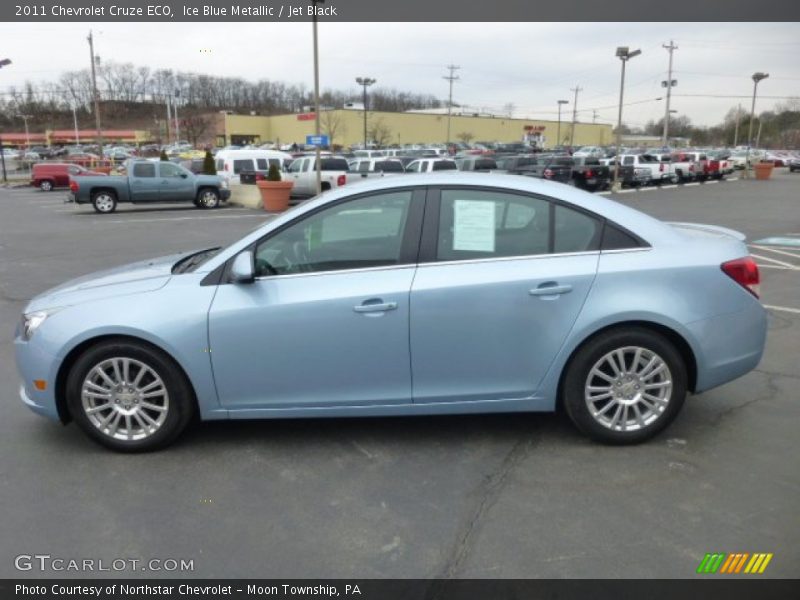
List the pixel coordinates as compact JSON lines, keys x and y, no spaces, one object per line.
{"x":435,"y":294}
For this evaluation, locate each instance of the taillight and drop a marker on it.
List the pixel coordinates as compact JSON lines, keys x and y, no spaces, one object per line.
{"x":661,"y":167}
{"x":341,"y":180}
{"x":744,"y":271}
{"x":590,"y":173}
{"x":73,"y":186}
{"x":547,"y":173}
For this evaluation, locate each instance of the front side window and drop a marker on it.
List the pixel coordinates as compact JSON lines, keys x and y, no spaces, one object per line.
{"x":242,"y":164}
{"x":414,"y":167}
{"x":477,"y":224}
{"x":170,"y":170}
{"x":361,"y":233}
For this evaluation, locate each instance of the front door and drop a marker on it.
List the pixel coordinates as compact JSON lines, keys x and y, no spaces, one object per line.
{"x":505,"y":278}
{"x":174,"y":183}
{"x":326,"y":321}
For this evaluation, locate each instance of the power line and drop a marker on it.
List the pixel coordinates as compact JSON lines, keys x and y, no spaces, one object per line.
{"x":451,"y":78}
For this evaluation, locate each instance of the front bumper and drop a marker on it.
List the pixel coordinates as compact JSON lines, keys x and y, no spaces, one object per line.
{"x":33,"y":363}
{"x":224,"y":193}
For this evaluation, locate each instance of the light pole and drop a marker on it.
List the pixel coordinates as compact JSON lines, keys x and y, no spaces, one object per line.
{"x":756,"y":78}
{"x":318,"y":157}
{"x":177,"y":122}
{"x":365,"y":82}
{"x":96,"y":98}
{"x":75,"y":123}
{"x":624,"y":54}
{"x":27,"y":133}
{"x":558,"y":131}
{"x":3,"y":63}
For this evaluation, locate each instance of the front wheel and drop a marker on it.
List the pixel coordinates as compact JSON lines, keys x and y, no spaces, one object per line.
{"x":129,"y":396}
{"x":46,"y":186}
{"x":208,"y":198}
{"x":625,"y":386}
{"x":104,"y":202}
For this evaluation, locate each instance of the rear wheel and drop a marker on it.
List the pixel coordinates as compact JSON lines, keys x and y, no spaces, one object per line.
{"x":104,"y":202}
{"x":129,"y":396}
{"x":46,"y":186}
{"x":625,"y":385}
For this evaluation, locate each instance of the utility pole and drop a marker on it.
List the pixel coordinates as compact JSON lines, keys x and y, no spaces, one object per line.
{"x":736,"y":131}
{"x":669,"y":84}
{"x":558,"y":131}
{"x":451,"y":78}
{"x":75,"y":123}
{"x":576,"y":89}
{"x":169,"y":116}
{"x":27,"y":133}
{"x":594,"y":116}
{"x":96,"y":99}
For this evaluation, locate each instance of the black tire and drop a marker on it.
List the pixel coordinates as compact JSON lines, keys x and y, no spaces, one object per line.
{"x":577,"y":378}
{"x":46,"y":186}
{"x":207,"y":198}
{"x":104,"y":202}
{"x":179,"y":402}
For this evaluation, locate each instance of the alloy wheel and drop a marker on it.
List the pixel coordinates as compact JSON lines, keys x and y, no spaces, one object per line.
{"x":628,"y":389}
{"x":125,"y":398}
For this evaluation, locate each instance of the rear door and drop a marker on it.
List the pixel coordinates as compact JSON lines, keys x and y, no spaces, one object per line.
{"x":501,"y":280}
{"x":143,"y":182}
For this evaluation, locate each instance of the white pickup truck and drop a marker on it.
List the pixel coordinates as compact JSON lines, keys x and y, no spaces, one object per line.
{"x":657,"y":171}
{"x":303,"y":172}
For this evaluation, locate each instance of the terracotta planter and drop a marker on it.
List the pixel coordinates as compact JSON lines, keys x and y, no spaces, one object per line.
{"x":764,"y":170}
{"x":275,"y":194}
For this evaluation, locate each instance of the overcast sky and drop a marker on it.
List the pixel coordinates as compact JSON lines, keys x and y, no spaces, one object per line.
{"x":531,"y":65}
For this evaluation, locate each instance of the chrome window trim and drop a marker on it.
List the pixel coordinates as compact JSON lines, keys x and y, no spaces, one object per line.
{"x":508,"y":258}
{"x":621,"y":250}
{"x":338,"y":271}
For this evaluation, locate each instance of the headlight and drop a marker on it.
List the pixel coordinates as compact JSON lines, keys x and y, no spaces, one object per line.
{"x":32,"y":321}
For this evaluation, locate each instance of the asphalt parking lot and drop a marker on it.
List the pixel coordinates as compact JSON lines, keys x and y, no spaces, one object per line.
{"x":479,"y":496}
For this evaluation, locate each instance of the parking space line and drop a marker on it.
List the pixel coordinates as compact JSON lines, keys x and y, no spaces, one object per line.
{"x":776,"y":251}
{"x":626,"y":191}
{"x":690,"y":184}
{"x":668,"y":187}
{"x":178,"y":219}
{"x":783,"y":309}
{"x":732,"y":179}
{"x":779,"y":262}
{"x":648,"y":189}
{"x":711,"y":182}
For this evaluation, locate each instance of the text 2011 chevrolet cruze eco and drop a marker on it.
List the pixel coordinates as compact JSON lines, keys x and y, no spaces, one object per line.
{"x":434,"y":294}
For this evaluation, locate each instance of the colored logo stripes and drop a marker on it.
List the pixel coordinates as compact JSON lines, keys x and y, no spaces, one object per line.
{"x":738,"y":562}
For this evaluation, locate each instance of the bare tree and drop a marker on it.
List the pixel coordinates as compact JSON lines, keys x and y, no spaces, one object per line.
{"x":379,"y":132}
{"x":194,"y":124}
{"x":332,"y":124}
{"x":465,"y":136}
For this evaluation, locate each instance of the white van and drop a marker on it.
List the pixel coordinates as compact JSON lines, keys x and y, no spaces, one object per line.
{"x":230,"y":163}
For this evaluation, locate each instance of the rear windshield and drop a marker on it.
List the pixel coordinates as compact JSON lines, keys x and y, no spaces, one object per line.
{"x":444,"y":165}
{"x":389,"y":166}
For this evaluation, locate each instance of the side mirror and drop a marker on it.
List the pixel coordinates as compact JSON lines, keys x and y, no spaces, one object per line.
{"x":242,"y":268}
{"x":184,"y":175}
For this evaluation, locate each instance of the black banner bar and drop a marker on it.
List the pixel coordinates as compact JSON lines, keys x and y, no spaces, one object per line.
{"x":709,"y":588}
{"x":403,"y":11}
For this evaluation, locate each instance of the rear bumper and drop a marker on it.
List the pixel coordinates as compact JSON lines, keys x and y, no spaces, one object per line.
{"x":729,"y":345}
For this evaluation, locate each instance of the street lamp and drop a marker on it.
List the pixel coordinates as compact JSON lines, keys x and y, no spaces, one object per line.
{"x":3,"y":63}
{"x":27,"y":133}
{"x":365,"y":82}
{"x":624,"y":54}
{"x":317,"y":154}
{"x":756,"y":78}
{"x":558,"y":133}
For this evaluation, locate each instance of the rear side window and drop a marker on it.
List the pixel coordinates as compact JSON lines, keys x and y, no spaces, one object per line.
{"x":242,"y":165}
{"x":144,"y":170}
{"x":614,"y":238}
{"x":220,"y":164}
{"x":261,"y":164}
{"x":333,"y":164}
{"x":389,"y":166}
{"x":444,"y":165}
{"x":575,"y":231}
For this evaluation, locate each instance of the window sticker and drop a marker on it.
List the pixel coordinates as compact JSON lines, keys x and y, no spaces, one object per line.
{"x":473,"y":225}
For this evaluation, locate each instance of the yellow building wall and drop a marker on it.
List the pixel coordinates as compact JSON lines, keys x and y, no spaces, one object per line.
{"x":346,"y":127}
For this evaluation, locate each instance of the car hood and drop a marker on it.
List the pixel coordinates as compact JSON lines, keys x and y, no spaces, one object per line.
{"x":134,"y":278}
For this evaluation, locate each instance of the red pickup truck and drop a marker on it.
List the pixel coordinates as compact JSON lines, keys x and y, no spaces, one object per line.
{"x":47,"y":176}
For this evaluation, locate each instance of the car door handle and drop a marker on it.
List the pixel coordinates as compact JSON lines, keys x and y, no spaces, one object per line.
{"x":550,"y":289}
{"x":375,"y":306}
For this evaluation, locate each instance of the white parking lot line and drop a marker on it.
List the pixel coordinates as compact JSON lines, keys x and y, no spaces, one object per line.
{"x":733,"y":179}
{"x":668,"y":187}
{"x":711,"y":182}
{"x":690,"y":184}
{"x":779,"y":262}
{"x":196,"y":218}
{"x":776,"y":251}
{"x":783,"y":309}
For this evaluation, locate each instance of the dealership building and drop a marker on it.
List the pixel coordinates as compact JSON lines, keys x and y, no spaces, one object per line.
{"x":345,"y":127}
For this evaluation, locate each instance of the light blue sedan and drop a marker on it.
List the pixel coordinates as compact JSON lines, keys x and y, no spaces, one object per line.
{"x":443,"y":293}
